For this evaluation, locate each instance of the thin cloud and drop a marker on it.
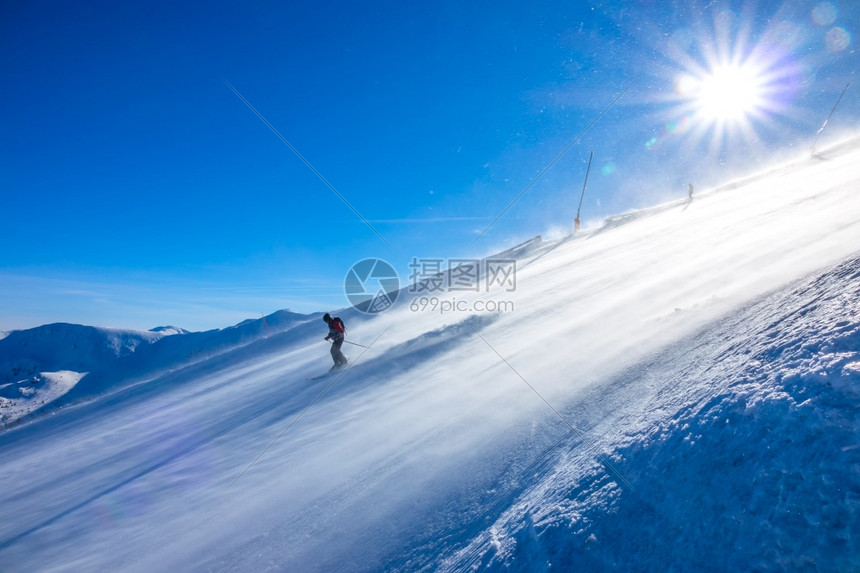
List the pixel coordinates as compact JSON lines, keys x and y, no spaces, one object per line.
{"x":426,"y":220}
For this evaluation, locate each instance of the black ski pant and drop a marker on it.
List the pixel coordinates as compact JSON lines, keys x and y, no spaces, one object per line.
{"x":336,"y":354}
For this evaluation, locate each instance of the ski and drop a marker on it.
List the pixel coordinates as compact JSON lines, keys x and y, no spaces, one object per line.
{"x":329,"y":373}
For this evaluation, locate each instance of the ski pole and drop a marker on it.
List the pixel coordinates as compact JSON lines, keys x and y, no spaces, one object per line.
{"x":353,"y":343}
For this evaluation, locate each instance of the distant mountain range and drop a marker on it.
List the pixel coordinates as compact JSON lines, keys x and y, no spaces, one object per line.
{"x":106,"y":357}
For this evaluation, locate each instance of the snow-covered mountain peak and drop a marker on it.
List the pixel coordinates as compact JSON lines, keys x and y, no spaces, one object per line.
{"x":169,"y":330}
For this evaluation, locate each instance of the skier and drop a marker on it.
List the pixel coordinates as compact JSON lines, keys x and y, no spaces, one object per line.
{"x":336,"y":332}
{"x":690,"y":191}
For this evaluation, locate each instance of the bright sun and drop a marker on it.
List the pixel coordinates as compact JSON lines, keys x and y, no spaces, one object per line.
{"x":727,"y":87}
{"x":729,"y":94}
{"x":726,"y":94}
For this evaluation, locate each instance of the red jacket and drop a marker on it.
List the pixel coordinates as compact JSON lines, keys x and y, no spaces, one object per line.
{"x":336,"y":329}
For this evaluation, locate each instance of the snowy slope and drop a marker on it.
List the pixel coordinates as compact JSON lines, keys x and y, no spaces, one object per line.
{"x":743,"y":452}
{"x":675,"y":390}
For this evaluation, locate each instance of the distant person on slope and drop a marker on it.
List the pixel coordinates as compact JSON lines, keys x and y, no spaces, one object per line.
{"x":690,"y":191}
{"x":336,"y":332}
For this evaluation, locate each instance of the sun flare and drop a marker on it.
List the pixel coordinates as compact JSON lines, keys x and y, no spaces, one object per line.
{"x":727,"y":93}
{"x":727,"y":87}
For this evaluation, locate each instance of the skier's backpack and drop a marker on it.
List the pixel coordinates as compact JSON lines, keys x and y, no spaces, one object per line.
{"x":338,"y":325}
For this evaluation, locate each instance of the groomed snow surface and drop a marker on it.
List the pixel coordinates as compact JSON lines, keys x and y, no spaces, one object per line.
{"x":673,"y":391}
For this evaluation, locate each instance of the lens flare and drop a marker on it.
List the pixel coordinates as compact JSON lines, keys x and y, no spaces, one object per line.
{"x":824,"y":14}
{"x":837,"y":39}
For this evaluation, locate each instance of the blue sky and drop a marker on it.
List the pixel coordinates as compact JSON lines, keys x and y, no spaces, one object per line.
{"x":138,"y":189}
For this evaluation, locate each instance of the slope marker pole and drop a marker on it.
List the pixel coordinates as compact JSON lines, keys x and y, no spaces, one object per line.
{"x":582,"y":196}
{"x":551,"y":163}
{"x":823,"y":125}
